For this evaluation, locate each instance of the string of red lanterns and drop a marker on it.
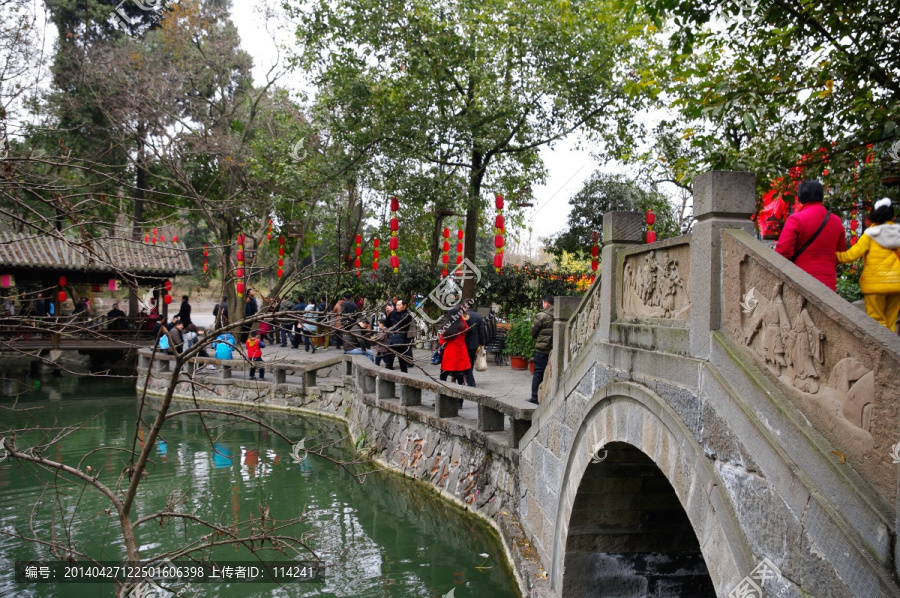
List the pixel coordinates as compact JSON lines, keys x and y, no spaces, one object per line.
{"x":375,"y":245}
{"x":445,"y":257}
{"x":394,"y":243}
{"x":167,"y":287}
{"x":459,"y":246}
{"x":357,"y":252}
{"x":280,"y":272}
{"x":499,"y":229}
{"x":206,"y":258}
{"x":62,"y":293}
{"x":595,"y":251}
{"x":239,"y":271}
{"x":854,"y":225}
{"x":269,"y":232}
{"x":651,"y":219}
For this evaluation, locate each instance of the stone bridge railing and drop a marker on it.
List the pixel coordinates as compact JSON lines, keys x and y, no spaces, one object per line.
{"x":736,"y":373}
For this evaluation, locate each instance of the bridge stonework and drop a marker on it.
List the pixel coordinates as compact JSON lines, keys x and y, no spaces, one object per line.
{"x":693,"y":429}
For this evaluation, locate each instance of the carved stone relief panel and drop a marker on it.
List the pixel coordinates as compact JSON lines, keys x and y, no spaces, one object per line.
{"x":655,"y":284}
{"x":584,"y":322}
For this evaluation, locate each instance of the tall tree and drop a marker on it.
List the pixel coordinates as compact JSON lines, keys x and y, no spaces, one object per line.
{"x":478,"y":86}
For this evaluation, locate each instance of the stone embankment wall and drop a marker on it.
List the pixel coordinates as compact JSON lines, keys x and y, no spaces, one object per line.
{"x":452,"y":458}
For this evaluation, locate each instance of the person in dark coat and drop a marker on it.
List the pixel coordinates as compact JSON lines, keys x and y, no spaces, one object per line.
{"x":542,"y":332}
{"x":400,"y":325}
{"x":116,"y":319}
{"x":455,"y":361}
{"x":250,"y":309}
{"x":475,"y":337}
{"x":819,"y":258}
{"x":184,"y":314}
{"x":177,"y":342}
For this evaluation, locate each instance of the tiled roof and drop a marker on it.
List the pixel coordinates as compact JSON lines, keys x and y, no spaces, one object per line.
{"x":18,"y":250}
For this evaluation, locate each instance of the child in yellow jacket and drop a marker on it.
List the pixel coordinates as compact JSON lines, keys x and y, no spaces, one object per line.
{"x":880,"y":249}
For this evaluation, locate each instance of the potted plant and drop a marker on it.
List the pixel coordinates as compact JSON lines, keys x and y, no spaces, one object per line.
{"x":519,"y":344}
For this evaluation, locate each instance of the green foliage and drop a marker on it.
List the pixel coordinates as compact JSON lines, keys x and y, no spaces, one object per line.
{"x":518,"y":339}
{"x":603,"y":193}
{"x":758,"y":85}
{"x":848,"y":282}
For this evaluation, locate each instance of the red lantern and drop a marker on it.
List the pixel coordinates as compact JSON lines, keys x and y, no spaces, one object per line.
{"x":446,"y":245}
{"x":446,"y":233}
{"x":459,"y":235}
{"x":395,"y":224}
{"x":162,"y":238}
{"x":167,"y":299}
{"x":444,"y":272}
{"x":374,"y":265}
{"x":459,"y":248}
{"x":280,"y":263}
{"x":154,"y":232}
{"x":651,"y":236}
{"x":154,"y":240}
{"x":167,"y":285}
{"x":595,"y":251}
{"x":498,"y":260}
{"x":395,"y":261}
{"x":651,"y":217}
{"x":499,"y":222}
{"x":240,"y":238}
{"x":594,"y":265}
{"x":357,"y":263}
{"x":854,"y":224}
{"x":375,"y":254}
{"x":395,"y":204}
{"x":239,"y":272}
{"x":281,"y":251}
{"x":394,"y":243}
{"x":61,"y":296}
{"x":280,"y":272}
{"x":498,"y":201}
{"x":357,"y":251}
{"x":146,"y":238}
{"x":239,"y":287}
{"x":62,"y":281}
{"x":175,"y":239}
{"x":376,"y":242}
{"x":445,"y":258}
{"x":459,"y":259}
{"x":498,"y":241}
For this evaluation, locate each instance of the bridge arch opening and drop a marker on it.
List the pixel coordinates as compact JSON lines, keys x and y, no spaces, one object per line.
{"x":629,"y":536}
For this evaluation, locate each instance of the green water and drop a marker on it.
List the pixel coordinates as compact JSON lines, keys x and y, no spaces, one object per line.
{"x":387,"y":537}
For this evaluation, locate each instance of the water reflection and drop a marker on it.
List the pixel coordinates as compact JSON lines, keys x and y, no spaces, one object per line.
{"x":386,"y":537}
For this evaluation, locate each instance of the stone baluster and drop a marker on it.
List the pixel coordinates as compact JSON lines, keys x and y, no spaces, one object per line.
{"x":386,"y":389}
{"x":620,"y":230}
{"x":489,"y":420}
{"x":445,"y":406}
{"x":410,"y":396}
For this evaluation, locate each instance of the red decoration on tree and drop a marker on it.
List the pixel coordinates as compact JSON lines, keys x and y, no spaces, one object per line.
{"x":393,"y":243}
{"x":167,"y":285}
{"x":280,"y":273}
{"x":498,"y":241}
{"x":375,"y":254}
{"x":280,"y":251}
{"x":154,"y":240}
{"x":498,"y":261}
{"x":499,"y":228}
{"x":154,"y":232}
{"x":651,"y":217}
{"x":595,"y":251}
{"x":167,"y":299}
{"x":239,"y":272}
{"x":446,"y":233}
{"x":459,"y":248}
{"x":240,"y":288}
{"x":376,"y":243}
{"x":499,"y":222}
{"x":240,"y":255}
{"x":594,"y":265}
{"x":651,"y":236}
{"x":498,"y":201}
{"x":205,"y":257}
{"x":357,"y":251}
{"x":175,"y":239}
{"x":240,"y":238}
{"x":281,"y":262}
{"x":459,"y":234}
{"x":61,"y":296}
{"x":445,"y":258}
{"x":395,"y":204}
{"x":62,"y":281}
{"x":395,"y":262}
{"x":459,"y":259}
{"x":395,"y":224}
{"x":446,"y":246}
{"x":162,"y":238}
{"x":146,"y":238}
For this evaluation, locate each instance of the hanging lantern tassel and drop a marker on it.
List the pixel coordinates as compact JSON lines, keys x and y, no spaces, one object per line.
{"x":651,"y":234}
{"x":395,"y":226}
{"x":499,"y":228}
{"x":595,"y":252}
{"x":239,"y":272}
{"x":280,"y":272}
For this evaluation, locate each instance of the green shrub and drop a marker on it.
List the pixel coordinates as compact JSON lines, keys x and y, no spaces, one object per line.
{"x":518,"y":340}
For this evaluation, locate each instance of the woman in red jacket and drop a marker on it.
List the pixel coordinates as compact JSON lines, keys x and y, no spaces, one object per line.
{"x":455,"y":361}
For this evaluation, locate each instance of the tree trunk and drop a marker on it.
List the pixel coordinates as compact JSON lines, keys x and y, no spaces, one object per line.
{"x":473,"y":209}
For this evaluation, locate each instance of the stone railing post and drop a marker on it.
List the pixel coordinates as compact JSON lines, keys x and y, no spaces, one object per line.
{"x":620,"y":230}
{"x":722,"y":200}
{"x":563,"y":308}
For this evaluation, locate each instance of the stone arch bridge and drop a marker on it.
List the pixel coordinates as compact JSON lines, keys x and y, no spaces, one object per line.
{"x":717,"y":423}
